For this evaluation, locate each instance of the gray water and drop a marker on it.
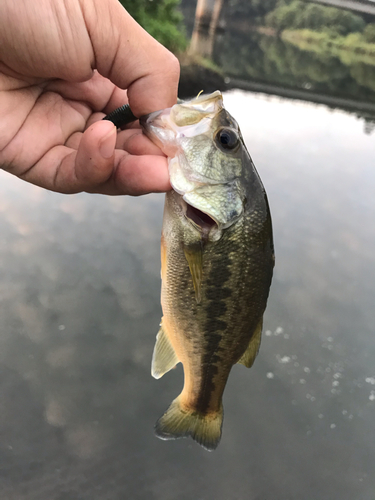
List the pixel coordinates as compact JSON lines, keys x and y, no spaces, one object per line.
{"x":79,"y":311}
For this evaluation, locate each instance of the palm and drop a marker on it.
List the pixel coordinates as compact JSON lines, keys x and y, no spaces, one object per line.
{"x":51,"y":132}
{"x":45,"y":125}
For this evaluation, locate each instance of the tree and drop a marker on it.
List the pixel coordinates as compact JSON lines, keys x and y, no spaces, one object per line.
{"x":369,"y":33}
{"x":299,"y":15}
{"x":161,"y":19}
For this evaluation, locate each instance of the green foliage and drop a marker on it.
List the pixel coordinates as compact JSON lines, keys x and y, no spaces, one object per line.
{"x":310,"y":61}
{"x":364,"y":75}
{"x":285,"y":16}
{"x":250,"y":8}
{"x":300,"y":15}
{"x":349,"y":49}
{"x":161,"y":19}
{"x":343,"y":21}
{"x":369,"y":33}
{"x":330,"y":32}
{"x":269,"y":59}
{"x":353,"y":39}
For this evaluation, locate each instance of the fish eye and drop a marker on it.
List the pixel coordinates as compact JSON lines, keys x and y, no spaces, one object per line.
{"x":227,"y":138}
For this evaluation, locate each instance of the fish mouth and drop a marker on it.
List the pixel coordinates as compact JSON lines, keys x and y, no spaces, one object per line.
{"x":199,"y":218}
{"x":146,"y":120}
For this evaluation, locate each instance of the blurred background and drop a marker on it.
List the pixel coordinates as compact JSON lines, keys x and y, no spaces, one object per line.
{"x":80,"y":284}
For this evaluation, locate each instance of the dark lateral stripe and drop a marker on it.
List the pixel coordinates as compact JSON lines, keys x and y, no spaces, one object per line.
{"x":216,"y":293}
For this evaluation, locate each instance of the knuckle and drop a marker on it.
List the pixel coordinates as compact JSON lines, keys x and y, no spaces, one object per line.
{"x":172,"y":65}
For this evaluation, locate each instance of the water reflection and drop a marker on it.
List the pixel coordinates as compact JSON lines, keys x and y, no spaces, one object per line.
{"x":79,"y":310}
{"x":270,"y":59}
{"x":207,"y":16}
{"x":249,"y":54}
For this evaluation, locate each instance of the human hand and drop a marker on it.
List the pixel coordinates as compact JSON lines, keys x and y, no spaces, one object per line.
{"x":63,"y":66}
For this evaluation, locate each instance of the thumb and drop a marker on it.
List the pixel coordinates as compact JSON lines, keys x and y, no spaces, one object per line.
{"x":127,"y":55}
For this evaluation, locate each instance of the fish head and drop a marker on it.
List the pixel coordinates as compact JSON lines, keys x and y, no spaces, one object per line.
{"x":207,"y":160}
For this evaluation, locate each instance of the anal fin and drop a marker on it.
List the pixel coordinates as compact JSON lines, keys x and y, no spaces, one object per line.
{"x":248,"y":357}
{"x":164,"y":357}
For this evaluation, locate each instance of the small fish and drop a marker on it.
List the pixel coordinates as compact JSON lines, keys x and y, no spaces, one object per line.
{"x":217,"y":260}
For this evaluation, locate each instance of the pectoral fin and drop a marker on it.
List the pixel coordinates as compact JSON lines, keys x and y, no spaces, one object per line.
{"x":252,"y":350}
{"x":164,"y":358}
{"x":193,"y":255}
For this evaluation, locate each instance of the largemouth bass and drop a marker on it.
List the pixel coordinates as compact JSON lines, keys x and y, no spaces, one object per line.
{"x":217,"y":260}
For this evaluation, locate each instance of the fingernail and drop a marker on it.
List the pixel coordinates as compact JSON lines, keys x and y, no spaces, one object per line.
{"x":108,"y":143}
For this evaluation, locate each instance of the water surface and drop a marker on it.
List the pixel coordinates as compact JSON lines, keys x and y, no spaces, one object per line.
{"x":79,"y":311}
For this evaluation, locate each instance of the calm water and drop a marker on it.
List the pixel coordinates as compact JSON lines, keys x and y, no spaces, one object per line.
{"x":79,"y":311}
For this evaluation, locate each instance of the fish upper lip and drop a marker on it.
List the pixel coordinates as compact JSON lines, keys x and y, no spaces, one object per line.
{"x":143,"y":120}
{"x":146,"y":122}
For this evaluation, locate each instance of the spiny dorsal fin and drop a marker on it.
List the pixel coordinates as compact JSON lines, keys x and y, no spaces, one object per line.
{"x":193,"y":255}
{"x":164,"y":358}
{"x":248,"y":357}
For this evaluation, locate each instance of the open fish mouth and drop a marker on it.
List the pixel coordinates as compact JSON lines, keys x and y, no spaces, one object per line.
{"x":199,"y":218}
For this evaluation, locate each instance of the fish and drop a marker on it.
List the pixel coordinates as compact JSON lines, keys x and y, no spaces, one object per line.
{"x":217,"y":259}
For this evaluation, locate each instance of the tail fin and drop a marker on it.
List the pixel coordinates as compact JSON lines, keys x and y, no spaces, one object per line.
{"x":178,"y":422}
